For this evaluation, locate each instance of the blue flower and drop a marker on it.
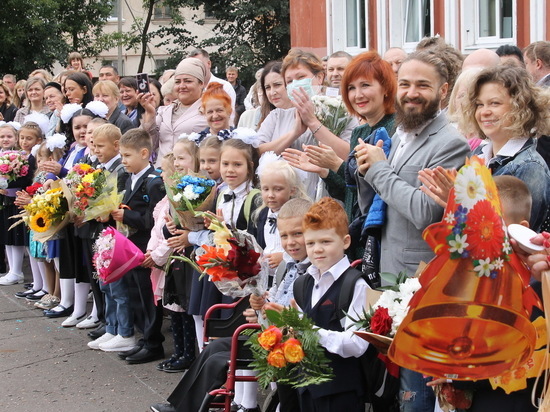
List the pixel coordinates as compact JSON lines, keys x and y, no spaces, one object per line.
{"x":198,"y":189}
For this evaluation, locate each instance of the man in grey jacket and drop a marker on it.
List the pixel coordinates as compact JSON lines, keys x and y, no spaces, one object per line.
{"x":423,"y":139}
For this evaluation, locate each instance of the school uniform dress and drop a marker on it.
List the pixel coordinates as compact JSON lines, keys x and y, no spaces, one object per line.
{"x":231,"y":202}
{"x":71,"y":255}
{"x":19,"y":235}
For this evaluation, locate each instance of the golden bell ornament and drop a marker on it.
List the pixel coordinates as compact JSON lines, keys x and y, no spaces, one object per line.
{"x":470,"y":319}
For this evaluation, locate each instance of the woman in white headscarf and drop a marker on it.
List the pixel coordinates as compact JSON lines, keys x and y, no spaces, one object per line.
{"x":183,"y":115}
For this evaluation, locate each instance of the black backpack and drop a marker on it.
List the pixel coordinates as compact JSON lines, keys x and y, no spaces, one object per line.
{"x":382,"y":388}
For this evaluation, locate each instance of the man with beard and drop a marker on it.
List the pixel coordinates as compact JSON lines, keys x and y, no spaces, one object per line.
{"x":423,"y":139}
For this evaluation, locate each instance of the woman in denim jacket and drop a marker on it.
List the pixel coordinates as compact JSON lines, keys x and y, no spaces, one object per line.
{"x":510,"y":112}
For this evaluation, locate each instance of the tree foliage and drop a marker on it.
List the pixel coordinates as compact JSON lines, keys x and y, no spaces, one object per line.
{"x":37,"y":33}
{"x":249,"y":33}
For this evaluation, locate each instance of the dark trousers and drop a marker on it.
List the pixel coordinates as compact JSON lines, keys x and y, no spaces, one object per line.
{"x":147,"y":315}
{"x":208,"y":372}
{"x":345,"y":401}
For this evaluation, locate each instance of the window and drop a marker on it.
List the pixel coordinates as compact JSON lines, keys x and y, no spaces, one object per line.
{"x":162,"y":13}
{"x":495,"y":19}
{"x":114,"y":10}
{"x":488,"y":23}
{"x":418,"y":20}
{"x":355,"y":24}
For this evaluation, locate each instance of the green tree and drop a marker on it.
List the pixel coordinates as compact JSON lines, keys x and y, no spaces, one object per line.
{"x":249,"y":33}
{"x":37,"y":33}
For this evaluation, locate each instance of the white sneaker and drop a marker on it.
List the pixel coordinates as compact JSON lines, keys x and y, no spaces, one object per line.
{"x":88,"y":323}
{"x":11,"y":279}
{"x":118,"y":344}
{"x":72,"y":321}
{"x":103,"y":338}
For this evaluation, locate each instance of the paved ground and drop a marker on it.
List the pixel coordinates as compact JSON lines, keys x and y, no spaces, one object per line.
{"x":45,"y":367}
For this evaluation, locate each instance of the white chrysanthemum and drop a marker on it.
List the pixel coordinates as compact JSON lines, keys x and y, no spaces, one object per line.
{"x":458,"y":244}
{"x":58,"y":141}
{"x":469,"y":188}
{"x":484,"y":267}
{"x":189,"y":193}
{"x":98,"y":108}
{"x":410,"y":286}
{"x":177,"y":197}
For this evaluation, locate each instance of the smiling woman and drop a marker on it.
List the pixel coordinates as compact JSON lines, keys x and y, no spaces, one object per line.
{"x":34,"y":92}
{"x":183,"y":115}
{"x":504,"y":107}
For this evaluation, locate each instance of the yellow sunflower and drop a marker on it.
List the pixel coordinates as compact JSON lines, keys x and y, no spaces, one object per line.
{"x":40,"y":222}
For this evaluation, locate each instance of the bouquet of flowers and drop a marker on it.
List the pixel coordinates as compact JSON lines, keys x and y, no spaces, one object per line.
{"x":77,"y":173}
{"x":288,"y":351}
{"x":46,"y":214}
{"x":114,"y":255}
{"x":383,"y":318}
{"x":332,"y":113}
{"x":13,"y":164}
{"x":97,"y":195}
{"x":232,"y":261}
{"x":188,"y":193}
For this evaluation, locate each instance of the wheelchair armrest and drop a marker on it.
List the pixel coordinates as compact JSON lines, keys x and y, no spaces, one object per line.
{"x":224,"y":327}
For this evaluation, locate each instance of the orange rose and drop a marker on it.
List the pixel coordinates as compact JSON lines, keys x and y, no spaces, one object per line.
{"x":277,"y":357}
{"x":270,"y":337}
{"x":293,"y":351}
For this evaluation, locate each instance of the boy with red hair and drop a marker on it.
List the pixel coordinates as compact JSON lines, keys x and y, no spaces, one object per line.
{"x":325,"y":229}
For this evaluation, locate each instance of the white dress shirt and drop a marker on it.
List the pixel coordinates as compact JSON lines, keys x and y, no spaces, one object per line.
{"x":231,"y":209}
{"x":135,"y":177}
{"x":346,"y":343}
{"x":107,"y":165}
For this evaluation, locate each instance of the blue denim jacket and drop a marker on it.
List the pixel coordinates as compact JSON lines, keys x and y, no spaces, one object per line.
{"x":529,"y":166}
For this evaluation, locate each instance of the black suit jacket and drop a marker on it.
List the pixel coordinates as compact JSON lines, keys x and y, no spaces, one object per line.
{"x":147,"y":192}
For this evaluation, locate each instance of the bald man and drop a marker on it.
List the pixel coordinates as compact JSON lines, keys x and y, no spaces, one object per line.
{"x":395,"y":56}
{"x":481,"y":58}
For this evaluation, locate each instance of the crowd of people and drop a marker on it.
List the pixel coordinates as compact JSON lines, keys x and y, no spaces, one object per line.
{"x":310,"y":196}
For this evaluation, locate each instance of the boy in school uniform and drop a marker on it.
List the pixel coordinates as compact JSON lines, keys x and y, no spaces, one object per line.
{"x":325,"y":229}
{"x":119,"y":330}
{"x":144,"y":189}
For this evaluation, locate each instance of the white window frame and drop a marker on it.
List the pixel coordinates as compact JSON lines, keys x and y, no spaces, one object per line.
{"x":411,"y":46}
{"x":113,"y":18}
{"x":338,"y":27}
{"x":471,"y":36}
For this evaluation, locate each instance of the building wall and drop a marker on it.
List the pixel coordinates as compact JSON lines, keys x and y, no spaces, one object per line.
{"x":308,"y":25}
{"x":132,"y":10}
{"x":384,"y":24}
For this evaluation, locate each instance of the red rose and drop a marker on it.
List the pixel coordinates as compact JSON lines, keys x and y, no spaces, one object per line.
{"x":31,"y":190}
{"x":243,"y":260}
{"x":380,"y":323}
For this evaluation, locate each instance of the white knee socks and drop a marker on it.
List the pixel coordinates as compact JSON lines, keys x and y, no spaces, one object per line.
{"x":81,"y":291}
{"x":15,"y":258}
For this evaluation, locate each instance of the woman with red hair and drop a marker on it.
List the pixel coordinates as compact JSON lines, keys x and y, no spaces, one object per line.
{"x":368,"y":90}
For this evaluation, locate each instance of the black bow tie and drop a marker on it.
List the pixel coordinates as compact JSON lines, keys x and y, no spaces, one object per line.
{"x":228,"y":197}
{"x":273,"y":222}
